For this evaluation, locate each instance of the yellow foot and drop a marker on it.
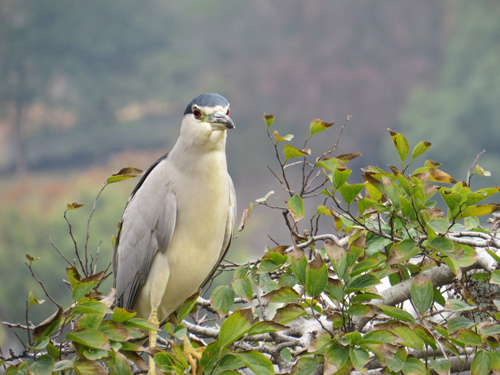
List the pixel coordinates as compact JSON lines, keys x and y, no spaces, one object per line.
{"x":152,"y":341}
{"x":191,"y":354}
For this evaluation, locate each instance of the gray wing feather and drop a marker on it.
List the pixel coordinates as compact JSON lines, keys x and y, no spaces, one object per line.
{"x":147,"y":227}
{"x":228,"y":235}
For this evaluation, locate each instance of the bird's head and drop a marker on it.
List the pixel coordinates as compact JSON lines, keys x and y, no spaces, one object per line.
{"x":206,"y":118}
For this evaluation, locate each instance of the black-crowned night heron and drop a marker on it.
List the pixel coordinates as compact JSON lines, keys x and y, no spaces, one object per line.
{"x":178,"y":222}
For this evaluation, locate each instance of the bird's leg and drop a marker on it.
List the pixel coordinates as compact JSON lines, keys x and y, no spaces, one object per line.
{"x":153,"y":318}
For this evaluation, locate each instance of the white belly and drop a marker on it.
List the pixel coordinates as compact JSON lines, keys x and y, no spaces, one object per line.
{"x":192,"y":253}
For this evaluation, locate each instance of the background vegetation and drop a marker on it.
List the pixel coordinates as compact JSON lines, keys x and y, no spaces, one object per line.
{"x":89,"y":87}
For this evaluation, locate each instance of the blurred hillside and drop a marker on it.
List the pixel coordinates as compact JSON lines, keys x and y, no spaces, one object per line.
{"x":90,"y":87}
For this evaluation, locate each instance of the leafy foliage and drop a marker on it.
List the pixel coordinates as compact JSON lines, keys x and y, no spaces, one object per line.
{"x":315,"y":304}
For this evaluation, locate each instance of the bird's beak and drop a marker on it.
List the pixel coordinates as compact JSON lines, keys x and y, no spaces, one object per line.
{"x":220,"y":121}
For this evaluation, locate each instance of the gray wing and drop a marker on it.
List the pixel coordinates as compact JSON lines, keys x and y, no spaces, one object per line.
{"x":147,"y":227}
{"x":228,"y":235}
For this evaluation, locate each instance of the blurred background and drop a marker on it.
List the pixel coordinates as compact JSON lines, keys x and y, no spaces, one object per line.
{"x":89,"y":87}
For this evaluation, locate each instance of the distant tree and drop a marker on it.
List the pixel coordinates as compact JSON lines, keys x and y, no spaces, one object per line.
{"x":464,"y":99}
{"x":315,"y":304}
{"x":91,"y":58}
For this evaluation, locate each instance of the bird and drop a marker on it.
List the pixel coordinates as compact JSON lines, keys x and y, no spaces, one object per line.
{"x":178,"y":223}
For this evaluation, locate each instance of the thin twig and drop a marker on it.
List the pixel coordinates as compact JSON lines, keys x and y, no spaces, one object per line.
{"x":41,"y":284}
{"x":469,"y":175}
{"x":88,"y":226}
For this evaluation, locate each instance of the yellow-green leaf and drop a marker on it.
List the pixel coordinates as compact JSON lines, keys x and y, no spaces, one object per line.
{"x":481,"y":364}
{"x":288,"y":313}
{"x":74,"y":205}
{"x":316,"y":276}
{"x":401,"y":145}
{"x":90,"y":337}
{"x":222,"y":299}
{"x":124,"y":174}
{"x":318,"y":126}
{"x":86,"y":285}
{"x":480,"y":210}
{"x":235,"y":326}
{"x":438,"y":175}
{"x":188,"y":307}
{"x":296,"y":207}
{"x":269,"y":119}
{"x":422,"y":293}
{"x":279,"y":138}
{"x":33,"y":301}
{"x":420,"y":148}
{"x":293,"y":152}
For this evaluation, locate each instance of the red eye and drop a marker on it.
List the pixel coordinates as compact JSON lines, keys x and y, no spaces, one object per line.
{"x":196,"y":113}
{"x":228,"y":112}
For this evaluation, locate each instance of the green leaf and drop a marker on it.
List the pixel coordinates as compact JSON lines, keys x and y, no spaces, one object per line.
{"x":266,"y":327}
{"x":43,"y":365}
{"x":361,"y":282}
{"x":73,"y":276}
{"x":340,"y":176}
{"x":90,"y":307}
{"x":141,"y":324}
{"x":316,"y":276}
{"x":291,"y":152}
{"x":419,"y":149}
{"x":296,"y":207}
{"x":338,"y":354}
{"x":442,"y":243}
{"x":330,"y":164}
{"x":442,"y":366}
{"x":459,"y":322}
{"x":48,"y":326}
{"x":358,"y":309}
{"x":359,"y":357}
{"x":243,"y":288}
{"x":222,"y":299}
{"x":401,"y":145}
{"x":495,"y":362}
{"x":467,"y":337}
{"x":495,"y":277}
{"x":114,"y":331}
{"x":457,"y":305}
{"x":379,"y":336}
{"x":283,"y":295}
{"x":188,"y":307}
{"x":299,"y":265}
{"x":258,"y":363}
{"x":90,"y":321}
{"x":235,"y":326}
{"x":396,"y":313}
{"x":422,"y":293}
{"x":338,"y":257}
{"x":481,"y":363}
{"x":121,"y":315}
{"x":269,"y":119}
{"x":317,"y":126}
{"x":33,"y":301}
{"x":288,"y":313}
{"x":87,"y":367}
{"x":305,"y":366}
{"x":413,"y":366}
{"x":63,"y":365}
{"x":350,"y":192}
{"x":89,"y":337}
{"x":124,"y":174}
{"x":86,"y":285}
